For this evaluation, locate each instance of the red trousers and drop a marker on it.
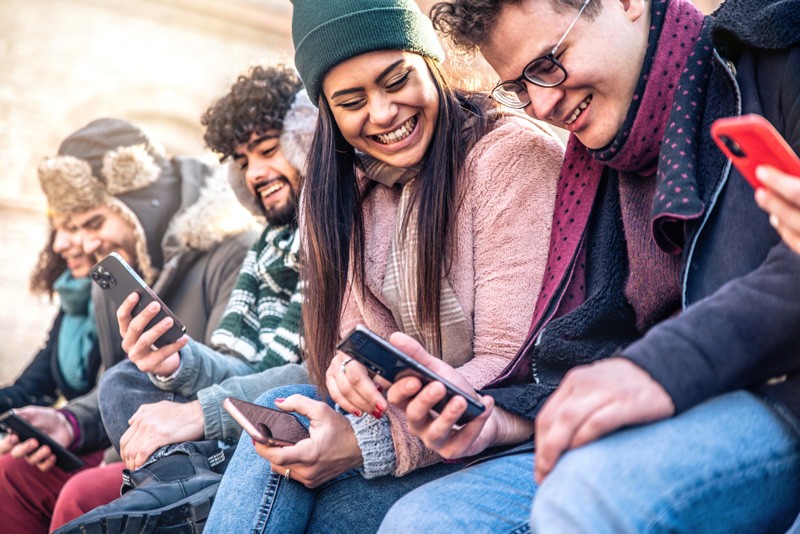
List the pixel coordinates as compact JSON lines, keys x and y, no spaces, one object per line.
{"x":32,"y":501}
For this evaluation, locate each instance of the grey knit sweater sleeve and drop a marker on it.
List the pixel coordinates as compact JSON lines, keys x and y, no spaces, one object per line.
{"x":374,"y":438}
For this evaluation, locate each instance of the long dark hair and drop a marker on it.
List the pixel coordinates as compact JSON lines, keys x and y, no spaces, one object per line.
{"x":334,"y":224}
{"x":48,"y":268}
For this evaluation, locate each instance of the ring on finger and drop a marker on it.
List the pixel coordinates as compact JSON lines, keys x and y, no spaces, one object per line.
{"x":288,"y":474}
{"x":343,"y":367}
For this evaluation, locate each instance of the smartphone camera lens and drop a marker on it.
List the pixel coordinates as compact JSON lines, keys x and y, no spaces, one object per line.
{"x":103,"y":278}
{"x":733,"y":146}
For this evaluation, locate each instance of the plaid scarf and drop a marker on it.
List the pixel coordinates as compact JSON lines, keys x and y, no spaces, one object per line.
{"x":400,"y":282}
{"x":262,"y":319}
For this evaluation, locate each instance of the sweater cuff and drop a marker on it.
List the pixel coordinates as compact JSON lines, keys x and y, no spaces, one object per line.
{"x":374,"y":438}
{"x":76,"y":429}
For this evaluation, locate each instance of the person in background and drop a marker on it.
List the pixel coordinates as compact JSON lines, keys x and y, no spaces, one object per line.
{"x":116,"y":191}
{"x":68,"y":364}
{"x":264,"y":126}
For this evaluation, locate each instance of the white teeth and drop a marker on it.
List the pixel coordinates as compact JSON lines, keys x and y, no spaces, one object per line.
{"x":267,"y":191}
{"x":575,"y":114}
{"x":399,"y":134}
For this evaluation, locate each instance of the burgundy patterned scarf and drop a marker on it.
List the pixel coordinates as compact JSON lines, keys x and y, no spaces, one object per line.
{"x":676,"y":67}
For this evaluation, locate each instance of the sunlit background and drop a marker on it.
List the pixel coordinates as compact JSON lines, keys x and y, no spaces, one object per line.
{"x":159,"y":63}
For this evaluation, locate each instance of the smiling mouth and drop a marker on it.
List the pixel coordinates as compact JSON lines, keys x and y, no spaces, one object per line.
{"x":270,"y":188}
{"x":399,"y":134}
{"x":575,"y":114}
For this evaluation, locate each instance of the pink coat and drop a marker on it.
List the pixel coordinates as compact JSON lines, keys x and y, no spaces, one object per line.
{"x":503,"y":232}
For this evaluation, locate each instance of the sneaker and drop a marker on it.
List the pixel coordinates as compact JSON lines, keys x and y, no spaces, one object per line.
{"x":171,"y":495}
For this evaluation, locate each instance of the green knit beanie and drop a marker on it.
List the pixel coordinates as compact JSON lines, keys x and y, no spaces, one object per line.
{"x":327,"y":32}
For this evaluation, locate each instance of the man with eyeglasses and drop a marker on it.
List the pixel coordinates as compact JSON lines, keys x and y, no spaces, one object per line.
{"x":658,"y":385}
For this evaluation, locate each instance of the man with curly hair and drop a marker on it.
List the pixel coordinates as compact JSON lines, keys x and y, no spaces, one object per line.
{"x":263,"y":126}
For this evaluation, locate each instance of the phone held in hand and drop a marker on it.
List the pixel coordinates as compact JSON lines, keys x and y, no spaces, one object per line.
{"x":117,"y":279}
{"x":750,"y":141}
{"x":266,"y":425}
{"x":12,"y":422}
{"x":385,"y":359}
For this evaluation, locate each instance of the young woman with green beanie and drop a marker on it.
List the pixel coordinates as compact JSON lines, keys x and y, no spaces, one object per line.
{"x":421,"y":215}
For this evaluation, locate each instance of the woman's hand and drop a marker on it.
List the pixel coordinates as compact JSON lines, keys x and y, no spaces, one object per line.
{"x":138,"y":343}
{"x":51,"y":422}
{"x":353,"y":389}
{"x":331,"y":449}
{"x":780,"y":197}
{"x":492,"y":427}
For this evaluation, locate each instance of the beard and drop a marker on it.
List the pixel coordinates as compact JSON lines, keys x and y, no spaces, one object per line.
{"x":285,"y":213}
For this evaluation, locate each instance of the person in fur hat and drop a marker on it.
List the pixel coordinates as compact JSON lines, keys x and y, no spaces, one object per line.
{"x":113,"y":188}
{"x":264,"y":126}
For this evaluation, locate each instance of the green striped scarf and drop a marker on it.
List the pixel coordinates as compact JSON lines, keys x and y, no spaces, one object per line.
{"x":262,"y":319}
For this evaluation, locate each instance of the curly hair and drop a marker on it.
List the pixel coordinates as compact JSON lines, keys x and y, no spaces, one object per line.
{"x":48,"y":268}
{"x":468,"y":23}
{"x":256,"y":103}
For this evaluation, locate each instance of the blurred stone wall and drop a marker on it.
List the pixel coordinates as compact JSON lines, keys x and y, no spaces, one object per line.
{"x":159,"y":63}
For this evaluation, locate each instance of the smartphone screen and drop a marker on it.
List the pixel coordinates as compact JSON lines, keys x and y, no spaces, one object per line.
{"x":117,"y":279}
{"x":266,"y":425}
{"x":65,"y":460}
{"x":385,"y":359}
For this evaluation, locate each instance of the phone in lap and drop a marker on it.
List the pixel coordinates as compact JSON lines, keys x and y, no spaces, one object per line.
{"x":750,"y":141}
{"x":386,"y":360}
{"x":266,"y":425}
{"x":12,"y":422}
{"x":117,"y":279}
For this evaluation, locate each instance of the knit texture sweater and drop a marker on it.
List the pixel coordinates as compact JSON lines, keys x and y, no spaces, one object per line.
{"x":502,"y":231}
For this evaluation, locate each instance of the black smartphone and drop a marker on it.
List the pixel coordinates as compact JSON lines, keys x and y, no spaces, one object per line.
{"x":117,"y":279}
{"x":12,"y":422}
{"x":266,"y":425}
{"x":385,"y":359}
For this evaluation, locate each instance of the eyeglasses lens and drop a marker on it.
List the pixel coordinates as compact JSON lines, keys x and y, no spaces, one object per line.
{"x":545,"y":72}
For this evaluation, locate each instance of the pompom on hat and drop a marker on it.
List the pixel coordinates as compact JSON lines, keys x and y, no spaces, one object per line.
{"x":114,"y":163}
{"x":327,"y":32}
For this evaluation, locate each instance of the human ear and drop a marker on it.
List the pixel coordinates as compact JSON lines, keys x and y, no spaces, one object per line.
{"x":634,"y":9}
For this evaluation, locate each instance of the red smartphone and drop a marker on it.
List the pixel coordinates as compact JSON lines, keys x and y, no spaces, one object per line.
{"x":265,"y":425}
{"x":750,"y":141}
{"x":117,"y":279}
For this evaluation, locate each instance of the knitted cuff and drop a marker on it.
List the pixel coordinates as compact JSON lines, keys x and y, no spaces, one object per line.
{"x":76,"y":428}
{"x":374,"y":438}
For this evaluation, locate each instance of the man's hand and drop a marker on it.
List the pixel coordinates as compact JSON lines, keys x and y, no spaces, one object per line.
{"x":331,"y":449}
{"x":780,"y":197}
{"x":138,"y":342}
{"x":492,"y":427}
{"x":51,"y":422}
{"x":592,"y":401}
{"x":158,"y":424}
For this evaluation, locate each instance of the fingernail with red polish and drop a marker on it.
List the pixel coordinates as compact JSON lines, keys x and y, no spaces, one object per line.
{"x":278,"y":401}
{"x":357,"y":413}
{"x":380,"y":389}
{"x":377,"y":412}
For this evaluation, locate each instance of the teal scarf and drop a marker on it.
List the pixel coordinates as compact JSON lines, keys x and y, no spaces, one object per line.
{"x":78,"y":332}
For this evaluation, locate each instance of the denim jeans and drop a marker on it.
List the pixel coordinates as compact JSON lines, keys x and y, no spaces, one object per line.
{"x":731,"y":464}
{"x":252,"y":498}
{"x":124,"y":388}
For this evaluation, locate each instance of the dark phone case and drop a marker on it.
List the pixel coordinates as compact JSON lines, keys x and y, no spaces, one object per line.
{"x":118,"y":280}
{"x":384,"y":359}
{"x":65,"y":460}
{"x":274,"y":424}
{"x":750,"y":141}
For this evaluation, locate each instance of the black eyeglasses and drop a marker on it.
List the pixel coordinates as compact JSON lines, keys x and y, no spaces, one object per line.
{"x":545,"y":71}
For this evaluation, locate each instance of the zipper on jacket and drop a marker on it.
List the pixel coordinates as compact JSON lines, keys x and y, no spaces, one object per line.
{"x":730,"y":70}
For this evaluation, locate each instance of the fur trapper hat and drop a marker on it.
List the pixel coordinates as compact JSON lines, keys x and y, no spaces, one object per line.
{"x":114,"y":163}
{"x":299,"y":124}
